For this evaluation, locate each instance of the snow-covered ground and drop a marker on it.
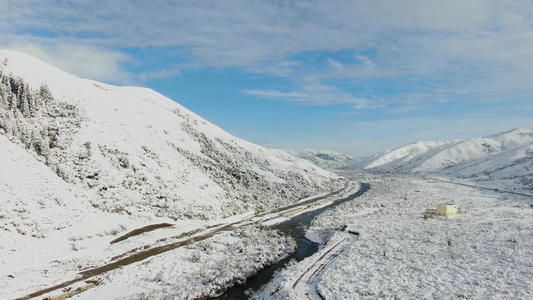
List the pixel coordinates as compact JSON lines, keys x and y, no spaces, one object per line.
{"x":400,"y":254}
{"x":205,"y":261}
{"x":200,"y":269}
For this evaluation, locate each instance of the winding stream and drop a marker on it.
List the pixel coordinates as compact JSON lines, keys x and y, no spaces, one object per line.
{"x":295,"y":227}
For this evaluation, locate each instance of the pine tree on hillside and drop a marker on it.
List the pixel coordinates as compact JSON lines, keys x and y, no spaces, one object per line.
{"x":33,"y":118}
{"x":44,"y":96}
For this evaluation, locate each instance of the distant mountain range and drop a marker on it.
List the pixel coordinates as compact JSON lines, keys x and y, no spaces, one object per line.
{"x":324,"y":158}
{"x":503,"y":159}
{"x":506,"y":156}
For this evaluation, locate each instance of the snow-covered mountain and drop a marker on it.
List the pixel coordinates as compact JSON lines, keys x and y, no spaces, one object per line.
{"x":324,"y":158}
{"x":133,"y":151}
{"x":82,"y":162}
{"x":506,"y":156}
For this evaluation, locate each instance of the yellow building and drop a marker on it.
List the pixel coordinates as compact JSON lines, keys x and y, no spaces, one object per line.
{"x":443,"y":210}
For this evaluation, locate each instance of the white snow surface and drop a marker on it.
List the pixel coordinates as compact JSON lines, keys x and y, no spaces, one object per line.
{"x":504,"y":159}
{"x":203,"y":268}
{"x":485,"y":254}
{"x":325,"y":159}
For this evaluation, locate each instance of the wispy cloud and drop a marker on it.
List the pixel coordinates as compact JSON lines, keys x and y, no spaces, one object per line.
{"x":405,"y":109}
{"x":349,"y":113}
{"x":280,"y":68}
{"x":147,"y":75}
{"x":241,"y":31}
{"x":317,"y":93}
{"x":276,"y":94}
{"x":85,"y":61}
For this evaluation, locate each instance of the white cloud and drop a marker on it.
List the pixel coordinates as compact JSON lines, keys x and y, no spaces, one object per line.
{"x":365,"y":60}
{"x":280,"y":68}
{"x":317,"y":93}
{"x":147,"y":75}
{"x":276,"y":94}
{"x":244,"y":32}
{"x":409,"y":108}
{"x":86,"y":62}
{"x":335,"y":65}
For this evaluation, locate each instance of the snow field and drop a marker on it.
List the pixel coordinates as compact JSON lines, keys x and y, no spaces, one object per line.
{"x":399,"y":254}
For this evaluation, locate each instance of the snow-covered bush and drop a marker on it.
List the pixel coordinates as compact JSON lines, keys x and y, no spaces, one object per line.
{"x":206,"y":267}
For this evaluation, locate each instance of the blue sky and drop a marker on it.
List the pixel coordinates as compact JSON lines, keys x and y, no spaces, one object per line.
{"x":352,"y":76}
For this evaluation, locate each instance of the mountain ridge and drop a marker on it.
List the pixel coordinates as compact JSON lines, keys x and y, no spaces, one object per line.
{"x":505,"y":156}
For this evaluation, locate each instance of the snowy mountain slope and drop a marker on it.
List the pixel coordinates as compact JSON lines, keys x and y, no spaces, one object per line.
{"x":39,"y":215}
{"x":401,"y":155}
{"x":140,"y":152}
{"x":82,"y":162}
{"x":324,"y":158}
{"x":33,"y":196}
{"x":506,"y":156}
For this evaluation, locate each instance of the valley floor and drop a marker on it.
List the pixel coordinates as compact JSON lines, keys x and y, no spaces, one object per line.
{"x":211,"y":255}
{"x":376,"y":246}
{"x":399,"y":254}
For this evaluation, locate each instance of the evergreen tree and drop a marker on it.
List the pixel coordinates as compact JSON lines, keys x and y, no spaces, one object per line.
{"x":44,"y":95}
